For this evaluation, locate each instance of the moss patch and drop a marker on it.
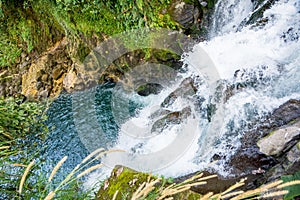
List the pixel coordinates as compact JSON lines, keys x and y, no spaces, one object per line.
{"x":124,"y":180}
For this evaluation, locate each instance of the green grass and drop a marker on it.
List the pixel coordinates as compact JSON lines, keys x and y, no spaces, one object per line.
{"x":19,"y":123}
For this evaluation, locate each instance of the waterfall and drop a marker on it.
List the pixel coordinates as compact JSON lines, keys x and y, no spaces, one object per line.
{"x":229,"y":14}
{"x":251,"y":70}
{"x":264,"y":56}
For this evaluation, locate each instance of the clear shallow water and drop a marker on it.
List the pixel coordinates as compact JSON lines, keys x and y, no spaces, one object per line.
{"x":265,"y":59}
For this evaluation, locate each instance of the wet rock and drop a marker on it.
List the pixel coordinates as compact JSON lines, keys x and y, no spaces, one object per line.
{"x":43,"y":94}
{"x":249,"y":159}
{"x":149,"y":88}
{"x":286,"y":112}
{"x":187,"y":88}
{"x":268,"y":144}
{"x":288,"y":163}
{"x":69,"y":81}
{"x":185,"y":14}
{"x":277,"y":141}
{"x":159,"y":113}
{"x":39,"y":85}
{"x":171,"y":119}
{"x":257,"y":15}
{"x":45,"y":73}
{"x":294,"y":154}
{"x":203,"y":3}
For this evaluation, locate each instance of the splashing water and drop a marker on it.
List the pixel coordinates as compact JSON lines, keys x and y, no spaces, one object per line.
{"x":264,"y":58}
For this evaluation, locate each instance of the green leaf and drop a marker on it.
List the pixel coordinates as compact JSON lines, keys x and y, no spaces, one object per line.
{"x":294,"y":190}
{"x":140,"y":4}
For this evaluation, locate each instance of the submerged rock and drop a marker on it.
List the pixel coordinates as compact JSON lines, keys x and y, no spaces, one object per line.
{"x":186,"y":89}
{"x":171,"y":118}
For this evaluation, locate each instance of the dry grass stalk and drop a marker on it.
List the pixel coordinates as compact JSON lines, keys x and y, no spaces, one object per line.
{"x":170,"y":186}
{"x":144,"y":189}
{"x":207,"y":177}
{"x":191,"y":185}
{"x":50,"y":196}
{"x":231,"y":194}
{"x":7,"y":135}
{"x":192,"y":178}
{"x":89,"y":170}
{"x":25,"y":175}
{"x":171,"y":192}
{"x":248,"y":194}
{"x":271,"y":185}
{"x":65,"y":180}
{"x":106,"y":152}
{"x":137,"y":192}
{"x":216,"y":196}
{"x":235,"y":186}
{"x":207,"y":196}
{"x":56,"y":168}
{"x":296,"y":182}
{"x":97,"y":151}
{"x":4,"y":147}
{"x":115,"y":195}
{"x":18,"y":165}
{"x":184,"y":186}
{"x":258,"y":190}
{"x":274,"y":194}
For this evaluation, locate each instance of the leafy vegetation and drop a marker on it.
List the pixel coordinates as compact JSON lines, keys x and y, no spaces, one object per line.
{"x":294,"y":190}
{"x":32,"y":26}
{"x":19,"y":119}
{"x":19,"y":122}
{"x":125,"y":183}
{"x":114,"y":16}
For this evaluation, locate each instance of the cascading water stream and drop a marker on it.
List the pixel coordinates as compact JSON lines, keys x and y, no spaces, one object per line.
{"x":261,"y":61}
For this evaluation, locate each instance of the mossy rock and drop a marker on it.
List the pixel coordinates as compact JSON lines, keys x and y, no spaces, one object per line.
{"x":126,"y":181}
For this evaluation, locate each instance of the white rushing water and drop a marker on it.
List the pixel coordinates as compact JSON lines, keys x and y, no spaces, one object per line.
{"x":268,"y":53}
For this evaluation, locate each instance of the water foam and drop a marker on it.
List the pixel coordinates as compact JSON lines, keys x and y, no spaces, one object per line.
{"x":271,"y":50}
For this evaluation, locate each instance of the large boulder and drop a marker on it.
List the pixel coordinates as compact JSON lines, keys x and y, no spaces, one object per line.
{"x":270,"y":147}
{"x":45,"y":75}
{"x":279,"y":140}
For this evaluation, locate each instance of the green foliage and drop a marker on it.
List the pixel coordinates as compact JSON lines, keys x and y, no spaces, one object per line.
{"x":294,"y":190}
{"x":25,"y":26}
{"x":9,"y":51}
{"x":111,"y":17}
{"x":19,"y":119}
{"x":19,"y":123}
{"x":1,"y":11}
{"x":28,"y":25}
